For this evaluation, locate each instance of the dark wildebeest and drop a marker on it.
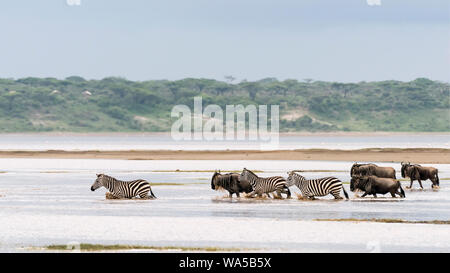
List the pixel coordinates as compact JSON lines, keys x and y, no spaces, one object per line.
{"x":419,"y":173}
{"x":230,"y":182}
{"x":372,"y":169}
{"x":373,"y":185}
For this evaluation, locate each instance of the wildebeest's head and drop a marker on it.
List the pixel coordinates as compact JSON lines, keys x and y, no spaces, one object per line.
{"x":353,"y":181}
{"x":213,"y":179}
{"x":404,"y":168}
{"x":358,"y":182}
{"x":98,"y":182}
{"x":354,"y":169}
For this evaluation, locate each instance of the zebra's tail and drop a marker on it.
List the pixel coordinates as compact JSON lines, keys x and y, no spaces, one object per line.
{"x":345,"y":193}
{"x":151,"y":194}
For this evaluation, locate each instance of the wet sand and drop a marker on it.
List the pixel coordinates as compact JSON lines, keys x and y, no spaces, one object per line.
{"x":416,"y":155}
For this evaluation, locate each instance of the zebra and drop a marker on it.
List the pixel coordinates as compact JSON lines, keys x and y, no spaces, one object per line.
{"x":317,"y":187}
{"x":266,"y":185}
{"x":123,"y":189}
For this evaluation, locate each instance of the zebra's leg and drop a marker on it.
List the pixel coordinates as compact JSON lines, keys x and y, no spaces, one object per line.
{"x":251,"y":194}
{"x":110,"y":195}
{"x":144,"y":195}
{"x":336,"y":195}
{"x":279,"y":196}
{"x":287,"y":192}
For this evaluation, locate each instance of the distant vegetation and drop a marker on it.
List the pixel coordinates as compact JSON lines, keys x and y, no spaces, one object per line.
{"x":116,"y":104}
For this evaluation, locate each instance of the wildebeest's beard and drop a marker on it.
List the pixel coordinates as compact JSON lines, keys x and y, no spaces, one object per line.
{"x":213,"y":179}
{"x":403,"y":170}
{"x":353,"y":181}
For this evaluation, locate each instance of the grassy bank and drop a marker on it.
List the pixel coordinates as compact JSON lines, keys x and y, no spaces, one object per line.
{"x":116,"y":104}
{"x":99,"y":247}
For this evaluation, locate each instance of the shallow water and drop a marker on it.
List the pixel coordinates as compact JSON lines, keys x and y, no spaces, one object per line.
{"x":165,"y":142}
{"x":48,"y":201}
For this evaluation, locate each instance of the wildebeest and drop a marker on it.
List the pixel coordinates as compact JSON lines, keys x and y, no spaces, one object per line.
{"x":372,"y":169}
{"x":374,"y":185}
{"x":230,"y":182}
{"x":419,"y":173}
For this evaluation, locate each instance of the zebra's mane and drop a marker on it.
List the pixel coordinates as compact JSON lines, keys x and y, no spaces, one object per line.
{"x":251,"y":172}
{"x":110,"y":178}
{"x":297,"y":175}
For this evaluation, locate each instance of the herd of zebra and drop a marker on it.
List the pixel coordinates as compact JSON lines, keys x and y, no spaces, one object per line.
{"x":368,"y":178}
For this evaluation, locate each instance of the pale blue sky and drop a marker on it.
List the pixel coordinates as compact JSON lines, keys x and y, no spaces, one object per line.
{"x":345,"y":40}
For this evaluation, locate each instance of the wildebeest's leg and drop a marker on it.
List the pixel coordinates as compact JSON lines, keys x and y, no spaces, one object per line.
{"x":410,"y":185}
{"x":364,"y":194}
{"x":251,"y":194}
{"x":420,"y":183}
{"x":237,"y":195}
{"x":392,"y":193}
{"x":374,"y":195}
{"x":231,"y":194}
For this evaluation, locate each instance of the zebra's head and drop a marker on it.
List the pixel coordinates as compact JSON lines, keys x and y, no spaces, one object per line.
{"x":98,"y":182}
{"x":290,"y":179}
{"x":244,"y":175}
{"x":293,"y":178}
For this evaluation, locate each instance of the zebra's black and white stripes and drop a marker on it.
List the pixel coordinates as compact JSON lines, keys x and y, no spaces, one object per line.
{"x":266,"y":185}
{"x":317,"y":187}
{"x":123,"y":189}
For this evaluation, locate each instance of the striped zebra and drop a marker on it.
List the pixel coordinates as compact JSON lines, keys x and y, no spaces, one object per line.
{"x":123,"y":189}
{"x":266,"y":185}
{"x":317,"y":187}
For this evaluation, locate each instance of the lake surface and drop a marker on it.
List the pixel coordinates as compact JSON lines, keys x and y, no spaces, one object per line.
{"x":165,"y":142}
{"x":48,"y":201}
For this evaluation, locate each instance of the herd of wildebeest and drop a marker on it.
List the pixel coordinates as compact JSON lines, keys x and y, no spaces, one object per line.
{"x":370,"y":179}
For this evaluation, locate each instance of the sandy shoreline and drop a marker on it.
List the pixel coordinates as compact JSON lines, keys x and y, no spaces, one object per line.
{"x":416,"y":155}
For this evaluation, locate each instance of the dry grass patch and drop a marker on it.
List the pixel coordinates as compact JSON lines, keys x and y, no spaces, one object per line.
{"x":387,"y":220}
{"x":98,"y":247}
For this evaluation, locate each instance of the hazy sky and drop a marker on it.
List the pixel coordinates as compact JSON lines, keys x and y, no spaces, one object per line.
{"x":345,"y":40}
